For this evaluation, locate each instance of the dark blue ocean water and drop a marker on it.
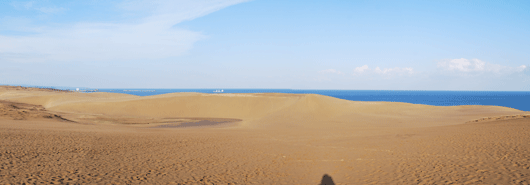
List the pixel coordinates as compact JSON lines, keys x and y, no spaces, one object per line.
{"x":514,"y":99}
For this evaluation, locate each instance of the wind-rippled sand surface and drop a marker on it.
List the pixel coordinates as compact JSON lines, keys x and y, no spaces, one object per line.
{"x":104,"y":138}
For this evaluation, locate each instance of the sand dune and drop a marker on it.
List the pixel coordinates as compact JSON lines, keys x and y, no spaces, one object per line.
{"x":260,"y":139}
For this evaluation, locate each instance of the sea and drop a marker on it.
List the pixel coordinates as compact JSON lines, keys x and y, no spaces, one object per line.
{"x":513,"y":99}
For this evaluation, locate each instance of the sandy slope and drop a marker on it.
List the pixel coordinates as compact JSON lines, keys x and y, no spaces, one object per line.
{"x":282,"y":139}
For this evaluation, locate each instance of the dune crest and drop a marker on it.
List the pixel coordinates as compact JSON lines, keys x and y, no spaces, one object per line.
{"x":263,"y":110}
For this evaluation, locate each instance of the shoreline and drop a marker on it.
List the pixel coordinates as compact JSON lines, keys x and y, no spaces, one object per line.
{"x":236,"y":94}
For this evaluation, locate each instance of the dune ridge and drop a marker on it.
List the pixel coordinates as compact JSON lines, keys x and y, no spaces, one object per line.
{"x":259,"y":110}
{"x":519,"y":116}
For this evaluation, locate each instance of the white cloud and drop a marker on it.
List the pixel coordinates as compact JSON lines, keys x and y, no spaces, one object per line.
{"x":521,"y":68}
{"x":152,"y":37}
{"x":396,"y":70}
{"x":330,"y":71}
{"x":463,"y":65}
{"x":386,"y":71}
{"x":360,"y":69}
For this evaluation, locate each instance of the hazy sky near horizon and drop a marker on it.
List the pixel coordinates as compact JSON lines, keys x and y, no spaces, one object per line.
{"x":374,"y":45}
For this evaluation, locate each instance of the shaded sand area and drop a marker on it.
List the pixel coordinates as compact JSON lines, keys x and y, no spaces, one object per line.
{"x":192,"y":138}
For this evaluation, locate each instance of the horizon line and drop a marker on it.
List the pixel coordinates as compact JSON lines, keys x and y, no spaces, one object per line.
{"x":71,"y":87}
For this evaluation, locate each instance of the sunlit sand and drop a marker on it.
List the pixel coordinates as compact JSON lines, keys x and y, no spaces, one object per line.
{"x":193,"y":138}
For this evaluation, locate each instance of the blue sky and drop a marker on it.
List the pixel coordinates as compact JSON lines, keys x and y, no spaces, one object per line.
{"x":387,"y":45}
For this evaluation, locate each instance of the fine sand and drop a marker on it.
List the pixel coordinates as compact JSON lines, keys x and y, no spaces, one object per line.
{"x":55,"y":137}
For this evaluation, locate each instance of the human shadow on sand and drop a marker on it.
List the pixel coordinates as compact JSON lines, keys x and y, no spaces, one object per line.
{"x":326,"y":180}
